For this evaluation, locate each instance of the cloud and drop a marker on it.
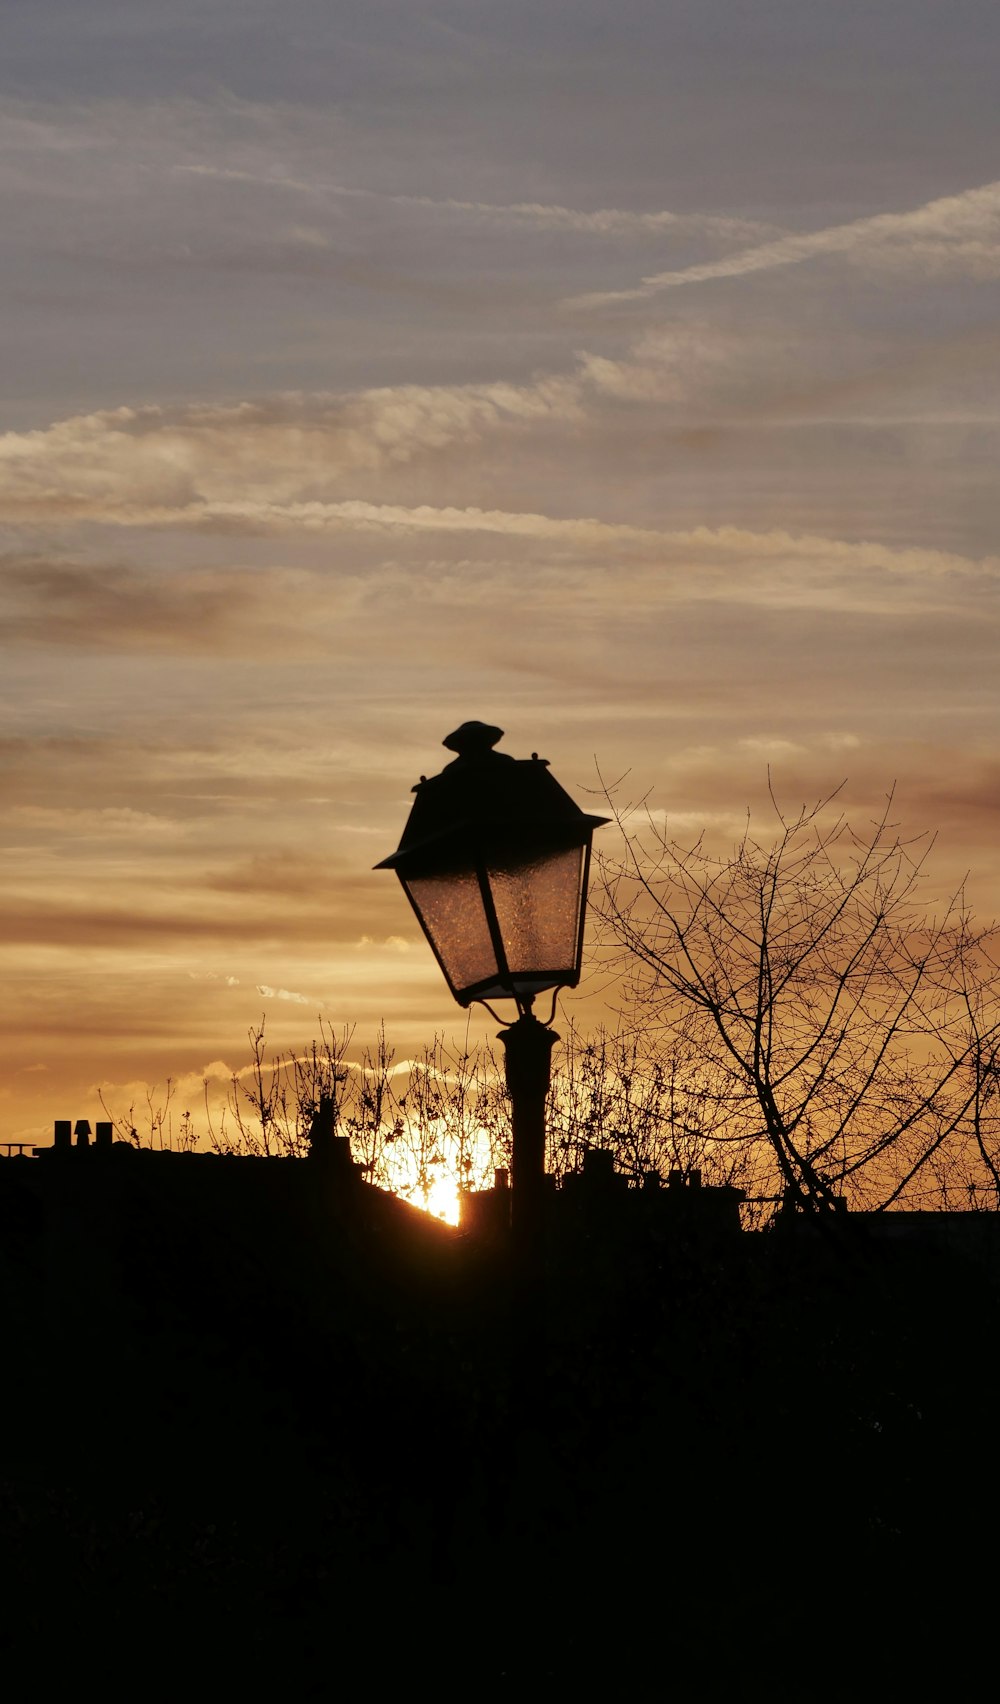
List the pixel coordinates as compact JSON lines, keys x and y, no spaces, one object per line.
{"x":551,"y":565}
{"x":958,"y":234}
{"x":548,"y":216}
{"x":156,"y":460}
{"x":695,"y":546}
{"x":258,"y":468}
{"x":163,"y":207}
{"x":284,"y":875}
{"x":78,"y":603}
{"x":273,"y":149}
{"x":104,"y":922}
{"x":116,"y":822}
{"x":699,"y":363}
{"x":279,"y":462}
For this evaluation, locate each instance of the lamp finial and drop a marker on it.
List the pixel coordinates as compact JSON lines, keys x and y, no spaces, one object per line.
{"x":473,"y":739}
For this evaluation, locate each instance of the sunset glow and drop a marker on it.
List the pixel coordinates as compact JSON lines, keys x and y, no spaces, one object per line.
{"x":624,"y":376}
{"x":440,"y":1198}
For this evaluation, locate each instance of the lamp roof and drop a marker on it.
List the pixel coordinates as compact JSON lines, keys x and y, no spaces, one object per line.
{"x":483,"y":794}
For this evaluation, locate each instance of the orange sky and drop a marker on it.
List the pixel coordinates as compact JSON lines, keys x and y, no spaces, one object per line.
{"x":625,"y":378}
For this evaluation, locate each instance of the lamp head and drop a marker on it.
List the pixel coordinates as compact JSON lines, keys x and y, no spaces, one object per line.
{"x":494,"y":860}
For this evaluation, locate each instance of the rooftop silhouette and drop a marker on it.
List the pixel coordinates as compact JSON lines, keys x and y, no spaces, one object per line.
{"x":252,"y":1396}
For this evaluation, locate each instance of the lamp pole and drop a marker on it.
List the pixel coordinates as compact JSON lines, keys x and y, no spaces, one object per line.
{"x":527,"y":1046}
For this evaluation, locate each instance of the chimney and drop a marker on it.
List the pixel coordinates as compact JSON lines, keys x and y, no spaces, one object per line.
{"x":322,"y":1128}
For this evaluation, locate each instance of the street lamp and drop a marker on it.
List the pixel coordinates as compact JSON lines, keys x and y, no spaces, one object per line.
{"x":494,"y":860}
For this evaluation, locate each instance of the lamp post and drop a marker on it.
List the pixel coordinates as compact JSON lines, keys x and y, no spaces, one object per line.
{"x":494,"y":860}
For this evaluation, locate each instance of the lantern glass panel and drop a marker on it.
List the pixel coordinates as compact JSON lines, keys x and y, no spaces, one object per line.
{"x":450,"y":908}
{"x":538,"y":900}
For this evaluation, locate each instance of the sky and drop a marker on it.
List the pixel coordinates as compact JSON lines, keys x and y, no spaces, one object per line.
{"x":621,"y":374}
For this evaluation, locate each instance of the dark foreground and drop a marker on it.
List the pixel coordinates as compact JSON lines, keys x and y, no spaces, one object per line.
{"x":261,"y":1434}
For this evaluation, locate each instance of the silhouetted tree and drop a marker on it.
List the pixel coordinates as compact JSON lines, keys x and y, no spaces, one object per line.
{"x":413,"y":1124}
{"x":656,"y":1110}
{"x":840,"y":1035}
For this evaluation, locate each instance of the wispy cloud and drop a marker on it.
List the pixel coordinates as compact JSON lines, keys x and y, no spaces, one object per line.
{"x":109,"y":823}
{"x":581,"y":533}
{"x":273,"y":613}
{"x":549,"y":216}
{"x":960,"y":233}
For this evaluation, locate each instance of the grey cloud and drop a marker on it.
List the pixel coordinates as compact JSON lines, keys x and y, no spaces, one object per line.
{"x":183,"y":188}
{"x":112,"y":607}
{"x":731,"y":90}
